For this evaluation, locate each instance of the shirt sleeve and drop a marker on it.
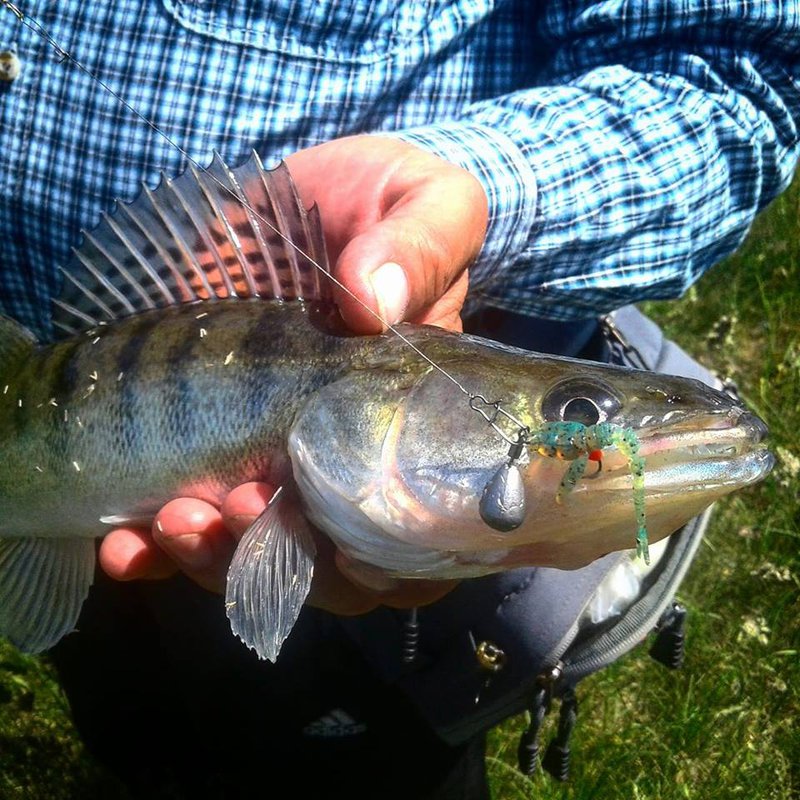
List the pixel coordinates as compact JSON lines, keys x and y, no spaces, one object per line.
{"x":655,"y":133}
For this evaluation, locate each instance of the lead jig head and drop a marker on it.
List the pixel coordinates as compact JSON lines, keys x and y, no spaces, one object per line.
{"x":502,"y":504}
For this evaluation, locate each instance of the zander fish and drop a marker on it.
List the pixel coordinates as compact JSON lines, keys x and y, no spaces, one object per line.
{"x":195,"y":349}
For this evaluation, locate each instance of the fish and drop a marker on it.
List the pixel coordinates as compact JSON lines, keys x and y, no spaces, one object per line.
{"x":196,"y":345}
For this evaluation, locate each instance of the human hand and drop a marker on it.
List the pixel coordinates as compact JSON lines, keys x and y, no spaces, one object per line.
{"x":401,"y":227}
{"x":383,"y":202}
{"x":198,"y":539}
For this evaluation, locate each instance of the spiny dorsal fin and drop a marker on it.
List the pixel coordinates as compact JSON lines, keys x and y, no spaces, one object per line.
{"x":201,"y":236}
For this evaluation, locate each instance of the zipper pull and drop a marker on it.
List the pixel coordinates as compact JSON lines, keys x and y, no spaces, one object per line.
{"x":556,"y":758}
{"x":669,"y":646}
{"x":528,"y":748}
{"x":615,"y":338}
{"x":411,"y":637}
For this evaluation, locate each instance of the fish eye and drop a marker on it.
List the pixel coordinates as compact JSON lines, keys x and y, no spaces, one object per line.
{"x":580,"y":400}
{"x":581,"y":409}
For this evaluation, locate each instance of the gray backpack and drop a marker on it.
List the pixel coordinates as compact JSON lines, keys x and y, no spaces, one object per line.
{"x":499,"y":645}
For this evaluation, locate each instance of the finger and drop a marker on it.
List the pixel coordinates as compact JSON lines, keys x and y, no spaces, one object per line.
{"x":243,"y":504}
{"x":446,"y":311}
{"x":414,"y":255}
{"x":389,"y":591}
{"x":127,"y":554}
{"x":193,"y":534}
{"x":331,"y":590}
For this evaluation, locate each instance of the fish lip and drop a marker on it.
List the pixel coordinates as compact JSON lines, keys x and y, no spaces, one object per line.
{"x":698,"y":421}
{"x":756,"y":427}
{"x":715,"y":477}
{"x":718,"y":431}
{"x":712,"y":449}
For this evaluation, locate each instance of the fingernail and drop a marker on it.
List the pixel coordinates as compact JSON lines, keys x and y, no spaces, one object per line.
{"x":390,"y":285}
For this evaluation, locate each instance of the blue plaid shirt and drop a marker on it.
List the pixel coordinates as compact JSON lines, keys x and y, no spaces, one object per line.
{"x":624,"y":146}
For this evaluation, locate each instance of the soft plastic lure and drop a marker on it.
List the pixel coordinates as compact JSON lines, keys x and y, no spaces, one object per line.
{"x":503,"y":503}
{"x":579,"y":443}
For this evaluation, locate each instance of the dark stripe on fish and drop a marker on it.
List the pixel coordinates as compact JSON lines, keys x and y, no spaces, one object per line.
{"x":61,"y":372}
{"x":264,"y":330}
{"x":257,"y":386}
{"x":128,"y":366}
{"x":63,"y":383}
{"x":181,"y":394}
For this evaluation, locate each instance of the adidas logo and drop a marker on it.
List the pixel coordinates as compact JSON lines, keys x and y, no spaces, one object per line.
{"x":335,"y":723}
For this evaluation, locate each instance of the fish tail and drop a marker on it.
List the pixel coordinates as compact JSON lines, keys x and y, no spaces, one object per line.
{"x":43,"y":583}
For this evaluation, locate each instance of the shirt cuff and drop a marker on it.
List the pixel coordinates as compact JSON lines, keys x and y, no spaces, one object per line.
{"x":506,"y":176}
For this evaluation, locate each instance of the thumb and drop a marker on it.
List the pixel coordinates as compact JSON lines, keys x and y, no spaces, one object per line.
{"x":411,"y":263}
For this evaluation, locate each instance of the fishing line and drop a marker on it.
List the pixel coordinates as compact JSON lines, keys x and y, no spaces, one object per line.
{"x":489,"y":410}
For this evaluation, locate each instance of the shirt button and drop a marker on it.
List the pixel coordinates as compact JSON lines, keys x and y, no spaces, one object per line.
{"x":10,"y":65}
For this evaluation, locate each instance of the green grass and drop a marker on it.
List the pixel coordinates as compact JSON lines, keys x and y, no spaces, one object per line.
{"x":41,"y":756}
{"x":723,"y":727}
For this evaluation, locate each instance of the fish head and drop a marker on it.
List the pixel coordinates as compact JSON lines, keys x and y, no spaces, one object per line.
{"x":697,"y":444}
{"x":403,"y":491}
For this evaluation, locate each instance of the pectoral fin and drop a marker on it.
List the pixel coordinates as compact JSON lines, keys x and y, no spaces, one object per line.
{"x":270,"y":576}
{"x":43,"y":583}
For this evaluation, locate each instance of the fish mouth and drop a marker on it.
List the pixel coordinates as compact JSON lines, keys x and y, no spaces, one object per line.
{"x":711,"y":453}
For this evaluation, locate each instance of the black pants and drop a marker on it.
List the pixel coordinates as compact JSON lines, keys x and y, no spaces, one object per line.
{"x":166,"y":697}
